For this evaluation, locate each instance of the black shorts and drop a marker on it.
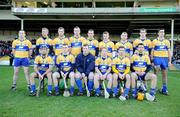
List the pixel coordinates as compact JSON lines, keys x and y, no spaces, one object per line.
{"x":67,"y":74}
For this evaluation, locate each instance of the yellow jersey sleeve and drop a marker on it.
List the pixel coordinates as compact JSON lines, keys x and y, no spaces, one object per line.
{"x":36,"y":61}
{"x":14,"y":44}
{"x":127,"y":61}
{"x":135,"y":43}
{"x":72,"y":59}
{"x":50,"y":61}
{"x":97,"y":61}
{"x":167,"y":43}
{"x":58,"y":59}
{"x":29,"y":44}
{"x":148,"y":60}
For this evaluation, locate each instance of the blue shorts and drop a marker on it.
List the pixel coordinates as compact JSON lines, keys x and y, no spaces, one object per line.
{"x":161,"y":61}
{"x":21,"y":62}
{"x":41,"y":72}
{"x":142,"y":77}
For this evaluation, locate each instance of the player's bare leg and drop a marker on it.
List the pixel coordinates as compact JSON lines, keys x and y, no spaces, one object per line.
{"x":96,"y":84}
{"x":134,"y":77}
{"x":91,"y":82}
{"x":164,"y":81}
{"x":56,"y":76}
{"x":115,"y":84}
{"x":15,"y":77}
{"x":49,"y":77}
{"x":153,"y":78}
{"x":72,"y":82}
{"x":32,"y":82}
{"x":109,"y":84}
{"x":124,"y":96}
{"x":26,"y":72}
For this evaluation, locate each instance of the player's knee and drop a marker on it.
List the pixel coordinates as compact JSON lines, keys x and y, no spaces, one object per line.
{"x":133,"y":75}
{"x":91,"y":76}
{"x":115,"y":76}
{"x":33,"y":75}
{"x":16,"y":72}
{"x":78,"y":75}
{"x":128,"y":78}
{"x":154,"y":77}
{"x":49,"y":75}
{"x":71,"y":74}
{"x":96,"y":77}
{"x":55,"y":75}
{"x":109,"y":75}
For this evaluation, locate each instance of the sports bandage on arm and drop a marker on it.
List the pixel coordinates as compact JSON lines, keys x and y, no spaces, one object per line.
{"x":127,"y":70}
{"x":114,"y":69}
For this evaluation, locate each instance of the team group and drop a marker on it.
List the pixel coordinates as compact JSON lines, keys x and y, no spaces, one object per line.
{"x":125,"y":66}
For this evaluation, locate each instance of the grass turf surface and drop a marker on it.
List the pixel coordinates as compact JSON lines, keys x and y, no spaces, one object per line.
{"x":19,"y":104}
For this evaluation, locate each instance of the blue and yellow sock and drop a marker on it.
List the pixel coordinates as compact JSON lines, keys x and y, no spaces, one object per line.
{"x":115,"y":90}
{"x":56,"y":88}
{"x":134,"y":92}
{"x":108,"y":90}
{"x":49,"y":88}
{"x":126,"y":92}
{"x":97,"y":90}
{"x":79,"y":84}
{"x":90,"y":85}
{"x":72,"y":89}
{"x":152,"y":91}
{"x":33,"y":88}
{"x":164,"y":87}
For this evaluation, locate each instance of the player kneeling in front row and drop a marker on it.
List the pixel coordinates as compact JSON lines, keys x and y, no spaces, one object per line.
{"x":141,"y":66}
{"x":65,"y":64}
{"x":42,"y":68}
{"x":121,"y":68}
{"x":103,"y":69}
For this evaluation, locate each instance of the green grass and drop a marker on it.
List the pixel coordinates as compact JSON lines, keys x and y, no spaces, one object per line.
{"x":19,"y":104}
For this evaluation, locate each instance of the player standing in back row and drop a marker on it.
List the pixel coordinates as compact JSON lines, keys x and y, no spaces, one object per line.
{"x":161,"y":57}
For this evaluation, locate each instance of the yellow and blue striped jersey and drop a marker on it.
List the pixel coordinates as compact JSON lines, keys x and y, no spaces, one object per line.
{"x":109,"y":45}
{"x":140,"y":63}
{"x":43,"y":63}
{"x":147,"y":44}
{"x":93,"y":45}
{"x":65,"y":62}
{"x":120,"y":64}
{"x":127,"y":45}
{"x":160,"y":48}
{"x":41,"y":41}
{"x":103,"y":64}
{"x":21,"y":48}
{"x":58,"y":44}
{"x":76,"y":44}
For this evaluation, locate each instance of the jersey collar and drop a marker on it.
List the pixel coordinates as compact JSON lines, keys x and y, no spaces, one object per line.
{"x":90,"y":39}
{"x":123,"y":42}
{"x":61,"y":37}
{"x":106,"y":41}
